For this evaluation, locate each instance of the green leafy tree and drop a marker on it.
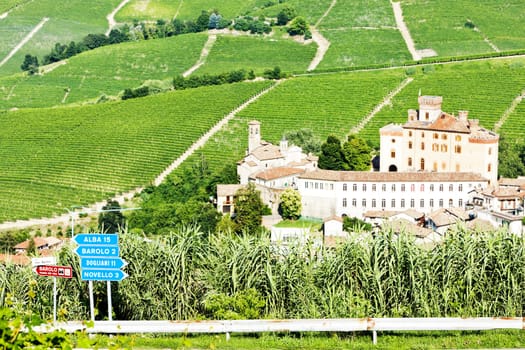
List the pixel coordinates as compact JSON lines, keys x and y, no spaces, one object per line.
{"x":511,"y":158}
{"x":332,"y":157}
{"x":249,"y":209}
{"x":290,"y":206}
{"x":30,"y":64}
{"x":298,"y":26}
{"x":357,"y":153}
{"x":286,"y":15}
{"x":305,"y":139}
{"x":203,"y":21}
{"x":112,"y":220}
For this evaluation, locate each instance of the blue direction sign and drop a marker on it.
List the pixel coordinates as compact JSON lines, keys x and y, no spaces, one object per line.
{"x":103,"y":275}
{"x":97,"y":251}
{"x":96,"y":239}
{"x":102,"y":263}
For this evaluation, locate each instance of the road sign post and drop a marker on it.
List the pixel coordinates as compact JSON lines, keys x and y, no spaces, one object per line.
{"x":100,"y":261}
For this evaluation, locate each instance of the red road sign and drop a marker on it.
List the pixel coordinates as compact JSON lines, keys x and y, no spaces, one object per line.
{"x":54,"y":271}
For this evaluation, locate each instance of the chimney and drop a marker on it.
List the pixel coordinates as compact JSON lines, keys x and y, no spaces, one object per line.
{"x":463,"y":116}
{"x":412,"y":115}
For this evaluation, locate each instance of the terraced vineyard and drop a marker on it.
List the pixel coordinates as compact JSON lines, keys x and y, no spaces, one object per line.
{"x":442,"y":25}
{"x":67,"y":22}
{"x":512,"y":129}
{"x":61,"y":157}
{"x":328,"y":104}
{"x":185,"y":10}
{"x":257,"y":53}
{"x":106,"y":70}
{"x":485,"y":89}
{"x":362,"y":33}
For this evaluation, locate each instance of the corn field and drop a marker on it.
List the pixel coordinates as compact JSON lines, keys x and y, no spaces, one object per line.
{"x":180,"y":275}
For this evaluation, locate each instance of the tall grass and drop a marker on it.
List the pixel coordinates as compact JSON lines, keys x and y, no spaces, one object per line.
{"x":469,"y":274}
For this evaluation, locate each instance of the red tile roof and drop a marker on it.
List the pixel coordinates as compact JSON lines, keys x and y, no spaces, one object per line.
{"x":277,"y":173}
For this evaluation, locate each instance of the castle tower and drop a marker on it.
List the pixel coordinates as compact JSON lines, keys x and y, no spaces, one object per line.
{"x":254,"y":135}
{"x":429,"y":107}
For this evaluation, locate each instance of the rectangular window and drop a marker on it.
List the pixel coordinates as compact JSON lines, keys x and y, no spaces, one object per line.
{"x":431,"y":202}
{"x":373,"y":203}
{"x":306,"y":184}
{"x":402,"y":202}
{"x":421,"y":203}
{"x":422,"y":187}
{"x":321,"y":185}
{"x":392,"y":154}
{"x":316,"y":185}
{"x":354,"y":187}
{"x":412,"y":203}
{"x":422,"y":146}
{"x":354,"y":202}
{"x":393,"y":187}
{"x":451,"y":188}
{"x":460,"y":202}
{"x":383,"y":187}
{"x":383,"y":203}
{"x":402,"y":187}
{"x":441,"y":203}
{"x":431,"y":187}
{"x":364,"y":187}
{"x":412,"y":187}
{"x":393,"y":203}
{"x":363,"y":203}
{"x":440,"y":187}
{"x":332,"y":187}
{"x":344,"y":187}
{"x":373,"y":187}
{"x":409,"y":161}
{"x":344,"y":202}
{"x":460,"y":187}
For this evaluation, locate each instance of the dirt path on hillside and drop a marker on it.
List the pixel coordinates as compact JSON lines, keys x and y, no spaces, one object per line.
{"x":398,"y":14}
{"x":111,"y":16}
{"x":322,"y":47}
{"x":379,"y":107}
{"x":66,"y":218}
{"x":178,"y":9}
{"x":24,"y":40}
{"x":509,"y":111}
{"x":322,"y":43}
{"x":204,"y":53}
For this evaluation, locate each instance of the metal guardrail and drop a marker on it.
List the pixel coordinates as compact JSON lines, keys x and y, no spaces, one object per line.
{"x":301,"y":325}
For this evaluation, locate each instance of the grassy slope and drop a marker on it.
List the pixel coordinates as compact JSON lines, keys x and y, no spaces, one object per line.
{"x":67,"y":22}
{"x":257,"y":53}
{"x":60,"y":157}
{"x":187,"y":10}
{"x":361,"y":33}
{"x":107,"y":70}
{"x":440,"y":25}
{"x":485,"y":89}
{"x":6,"y":5}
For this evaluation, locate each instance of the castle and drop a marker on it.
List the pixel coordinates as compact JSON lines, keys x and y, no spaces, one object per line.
{"x":433,"y":162}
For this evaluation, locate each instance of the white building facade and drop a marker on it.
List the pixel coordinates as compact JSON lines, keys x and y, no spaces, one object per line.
{"x":327,"y":192}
